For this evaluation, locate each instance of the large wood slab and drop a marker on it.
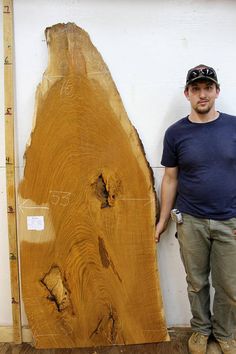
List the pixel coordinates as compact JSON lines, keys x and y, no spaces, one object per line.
{"x":89,"y":274}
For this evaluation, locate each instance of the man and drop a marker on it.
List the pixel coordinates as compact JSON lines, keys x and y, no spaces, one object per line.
{"x":199,"y":156}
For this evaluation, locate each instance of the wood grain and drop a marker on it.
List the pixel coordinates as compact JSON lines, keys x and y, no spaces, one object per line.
{"x":90,"y":277}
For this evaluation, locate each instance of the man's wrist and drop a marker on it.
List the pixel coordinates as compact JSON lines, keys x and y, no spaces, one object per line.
{"x":163,"y":222}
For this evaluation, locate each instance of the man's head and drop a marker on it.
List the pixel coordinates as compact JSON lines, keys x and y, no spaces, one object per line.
{"x":202,"y":88}
{"x":201,"y":73}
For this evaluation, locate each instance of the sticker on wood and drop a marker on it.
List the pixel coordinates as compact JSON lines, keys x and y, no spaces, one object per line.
{"x":87,"y":209}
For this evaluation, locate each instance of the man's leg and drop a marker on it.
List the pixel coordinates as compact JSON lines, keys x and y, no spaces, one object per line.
{"x":223,"y":264}
{"x":195,"y":247}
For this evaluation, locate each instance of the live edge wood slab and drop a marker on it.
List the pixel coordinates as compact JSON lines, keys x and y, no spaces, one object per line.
{"x":89,"y":273}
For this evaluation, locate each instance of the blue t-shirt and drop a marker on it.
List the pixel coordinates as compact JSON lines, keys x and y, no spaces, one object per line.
{"x":205,"y":154}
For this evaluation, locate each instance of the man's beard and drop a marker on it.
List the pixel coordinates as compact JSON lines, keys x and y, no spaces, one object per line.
{"x":203,"y":110}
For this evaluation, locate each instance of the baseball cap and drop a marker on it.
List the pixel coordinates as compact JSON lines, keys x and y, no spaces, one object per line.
{"x":200,"y":72}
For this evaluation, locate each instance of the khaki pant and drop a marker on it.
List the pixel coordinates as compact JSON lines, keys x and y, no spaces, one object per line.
{"x":210,"y":246}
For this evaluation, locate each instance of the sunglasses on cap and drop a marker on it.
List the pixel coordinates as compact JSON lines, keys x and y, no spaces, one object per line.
{"x":201,"y":73}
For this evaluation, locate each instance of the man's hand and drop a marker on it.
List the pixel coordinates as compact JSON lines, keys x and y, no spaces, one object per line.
{"x":160,"y":228}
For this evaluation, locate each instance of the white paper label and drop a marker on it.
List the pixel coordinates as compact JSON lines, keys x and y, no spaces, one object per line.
{"x":35,"y":223}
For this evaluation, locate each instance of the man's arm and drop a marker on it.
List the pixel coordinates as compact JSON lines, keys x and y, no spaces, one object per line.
{"x":168,"y":195}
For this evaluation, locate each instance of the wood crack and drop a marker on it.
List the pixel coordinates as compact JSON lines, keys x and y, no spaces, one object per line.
{"x":105,"y":258}
{"x":96,"y":331}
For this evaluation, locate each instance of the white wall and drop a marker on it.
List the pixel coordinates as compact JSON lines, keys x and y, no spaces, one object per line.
{"x":148,"y":47}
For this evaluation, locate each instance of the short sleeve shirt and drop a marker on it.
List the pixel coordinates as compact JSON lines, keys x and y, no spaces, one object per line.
{"x":205,"y":154}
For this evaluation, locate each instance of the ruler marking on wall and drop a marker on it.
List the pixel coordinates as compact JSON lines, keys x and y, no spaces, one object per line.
{"x":10,"y":167}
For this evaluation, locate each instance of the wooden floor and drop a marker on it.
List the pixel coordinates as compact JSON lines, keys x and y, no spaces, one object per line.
{"x":177,"y":345}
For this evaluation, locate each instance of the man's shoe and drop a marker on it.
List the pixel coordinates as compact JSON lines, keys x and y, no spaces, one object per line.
{"x":227,"y":346}
{"x":197,"y":343}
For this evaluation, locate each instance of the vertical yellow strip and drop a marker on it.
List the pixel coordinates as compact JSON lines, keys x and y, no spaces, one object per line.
{"x":10,"y":166}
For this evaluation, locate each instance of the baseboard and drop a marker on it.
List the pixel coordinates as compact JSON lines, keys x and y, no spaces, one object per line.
{"x":6,"y":334}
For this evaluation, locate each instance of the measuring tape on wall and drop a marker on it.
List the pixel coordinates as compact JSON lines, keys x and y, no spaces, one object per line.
{"x":10,"y":166}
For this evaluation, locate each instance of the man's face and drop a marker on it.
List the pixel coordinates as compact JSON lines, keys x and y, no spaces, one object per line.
{"x":202,"y":95}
